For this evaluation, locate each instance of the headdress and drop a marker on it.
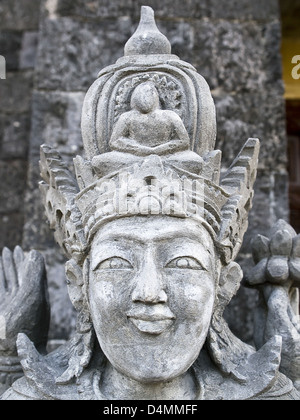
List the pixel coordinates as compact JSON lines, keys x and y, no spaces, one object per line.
{"x":148,"y":159}
{"x":180,"y":176}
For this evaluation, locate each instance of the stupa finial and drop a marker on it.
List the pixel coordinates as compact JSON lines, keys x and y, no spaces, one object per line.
{"x":147,"y":39}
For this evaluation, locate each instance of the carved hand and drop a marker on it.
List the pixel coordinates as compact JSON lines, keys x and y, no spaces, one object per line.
{"x":282,"y":320}
{"x":23,"y":300}
{"x":276,"y":274}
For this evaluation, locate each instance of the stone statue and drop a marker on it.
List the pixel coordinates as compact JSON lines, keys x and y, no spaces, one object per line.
{"x":147,"y":129}
{"x":151,"y":231}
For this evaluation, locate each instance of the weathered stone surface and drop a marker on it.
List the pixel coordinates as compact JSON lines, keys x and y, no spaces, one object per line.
{"x":12,"y":191}
{"x":11,"y":225}
{"x":78,"y":38}
{"x":240,"y":114}
{"x":243,"y":10}
{"x":18,"y":15}
{"x":10,"y":46}
{"x":56,"y":121}
{"x":14,"y":136}
{"x":29,"y":50}
{"x":116,"y":8}
{"x":78,"y":51}
{"x":16,"y":93}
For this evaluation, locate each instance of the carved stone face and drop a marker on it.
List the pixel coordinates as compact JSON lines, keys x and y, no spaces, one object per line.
{"x":151,"y":291}
{"x":145,"y":98}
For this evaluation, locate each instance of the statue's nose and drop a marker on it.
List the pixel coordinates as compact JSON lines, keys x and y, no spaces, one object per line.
{"x":149,"y":286}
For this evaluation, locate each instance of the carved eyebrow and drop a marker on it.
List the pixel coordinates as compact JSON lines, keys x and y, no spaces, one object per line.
{"x":118,"y":245}
{"x":130,"y":236}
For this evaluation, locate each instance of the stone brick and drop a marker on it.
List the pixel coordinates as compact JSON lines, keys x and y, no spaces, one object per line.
{"x":15,"y":92}
{"x":71,"y":53}
{"x":116,"y":8}
{"x":11,"y":229}
{"x":13,"y":175}
{"x":56,"y":122}
{"x":281,"y":195}
{"x":10,"y":47}
{"x":247,"y":55}
{"x":19,"y":15}
{"x":256,"y":114}
{"x":167,"y":9}
{"x":14,"y":136}
{"x":244,"y":9}
{"x":203,"y":55}
{"x":28,"y":50}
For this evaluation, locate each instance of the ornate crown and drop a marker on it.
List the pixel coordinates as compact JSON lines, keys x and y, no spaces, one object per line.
{"x":172,"y":170}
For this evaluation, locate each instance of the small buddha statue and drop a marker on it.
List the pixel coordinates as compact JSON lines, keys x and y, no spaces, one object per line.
{"x":147,"y":129}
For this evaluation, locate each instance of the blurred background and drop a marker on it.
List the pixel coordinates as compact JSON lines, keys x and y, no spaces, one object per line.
{"x":54,"y":50}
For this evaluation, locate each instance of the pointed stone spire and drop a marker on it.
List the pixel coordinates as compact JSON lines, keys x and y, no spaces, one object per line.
{"x":147,"y":39}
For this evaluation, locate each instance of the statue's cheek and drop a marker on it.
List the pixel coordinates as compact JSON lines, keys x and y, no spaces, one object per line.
{"x":191,"y":294}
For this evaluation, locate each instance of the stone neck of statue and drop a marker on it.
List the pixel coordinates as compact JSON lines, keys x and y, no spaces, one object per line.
{"x":119,"y":387}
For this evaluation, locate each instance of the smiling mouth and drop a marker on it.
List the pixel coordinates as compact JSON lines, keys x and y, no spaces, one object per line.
{"x":152,"y":327}
{"x":154,"y":323}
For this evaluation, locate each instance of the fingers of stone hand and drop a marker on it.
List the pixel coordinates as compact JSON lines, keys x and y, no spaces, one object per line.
{"x":2,"y":281}
{"x":19,"y":263}
{"x":278,"y":310}
{"x":34,"y":269}
{"x":10,"y":271}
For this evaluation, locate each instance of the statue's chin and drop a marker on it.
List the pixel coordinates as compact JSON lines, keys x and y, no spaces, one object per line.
{"x":155,"y":376}
{"x":153,"y":367}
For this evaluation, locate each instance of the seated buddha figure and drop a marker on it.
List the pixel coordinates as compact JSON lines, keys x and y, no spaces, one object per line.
{"x":147,"y":129}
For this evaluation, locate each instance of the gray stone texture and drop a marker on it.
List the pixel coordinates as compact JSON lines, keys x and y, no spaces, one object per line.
{"x":19,"y":24}
{"x":235,"y":45}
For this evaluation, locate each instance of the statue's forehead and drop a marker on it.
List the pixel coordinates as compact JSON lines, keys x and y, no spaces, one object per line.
{"x":153,"y":230}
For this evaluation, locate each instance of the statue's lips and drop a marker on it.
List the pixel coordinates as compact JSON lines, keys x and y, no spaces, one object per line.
{"x":152,"y":323}
{"x":152,"y":327}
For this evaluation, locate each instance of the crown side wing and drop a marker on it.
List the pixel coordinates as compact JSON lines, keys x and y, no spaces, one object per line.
{"x":59,"y":190}
{"x":238,"y":181}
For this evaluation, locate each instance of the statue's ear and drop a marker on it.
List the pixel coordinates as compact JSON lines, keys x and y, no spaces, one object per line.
{"x":75,"y":283}
{"x":225,"y":349}
{"x":82,"y":344}
{"x":230,"y":280}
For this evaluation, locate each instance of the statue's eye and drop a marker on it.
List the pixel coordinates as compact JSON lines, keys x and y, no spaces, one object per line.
{"x":185,"y":263}
{"x":115,"y":263}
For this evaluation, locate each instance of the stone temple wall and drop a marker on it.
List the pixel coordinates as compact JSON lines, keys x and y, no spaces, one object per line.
{"x":54,"y":50}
